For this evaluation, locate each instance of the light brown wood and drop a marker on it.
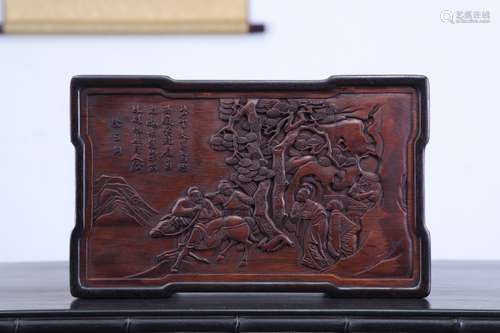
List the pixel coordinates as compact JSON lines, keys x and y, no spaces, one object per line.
{"x":125,"y":16}
{"x":124,"y":28}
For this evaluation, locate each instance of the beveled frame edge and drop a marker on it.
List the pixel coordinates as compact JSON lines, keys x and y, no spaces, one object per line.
{"x":418,"y":82}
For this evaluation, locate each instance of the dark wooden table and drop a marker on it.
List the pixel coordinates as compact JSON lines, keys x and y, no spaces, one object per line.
{"x":465,"y":297}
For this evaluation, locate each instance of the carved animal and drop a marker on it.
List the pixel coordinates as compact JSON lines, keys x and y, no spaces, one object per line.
{"x":228,"y":231}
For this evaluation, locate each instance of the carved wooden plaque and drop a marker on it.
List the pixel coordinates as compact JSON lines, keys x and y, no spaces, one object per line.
{"x":249,"y":186}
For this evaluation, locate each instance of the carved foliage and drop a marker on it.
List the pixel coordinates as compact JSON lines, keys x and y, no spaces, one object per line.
{"x":281,"y":147}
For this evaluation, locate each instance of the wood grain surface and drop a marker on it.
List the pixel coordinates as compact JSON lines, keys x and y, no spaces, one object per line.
{"x":250,"y":186}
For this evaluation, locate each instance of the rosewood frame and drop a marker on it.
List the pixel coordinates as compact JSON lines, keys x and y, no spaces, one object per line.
{"x":420,"y":83}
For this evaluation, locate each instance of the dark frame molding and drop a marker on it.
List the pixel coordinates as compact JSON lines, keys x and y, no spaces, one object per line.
{"x":418,"y":82}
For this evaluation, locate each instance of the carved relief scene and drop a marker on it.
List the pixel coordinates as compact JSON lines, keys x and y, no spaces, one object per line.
{"x":250,"y":185}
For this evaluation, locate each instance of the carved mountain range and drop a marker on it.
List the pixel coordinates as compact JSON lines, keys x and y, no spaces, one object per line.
{"x":115,"y":193}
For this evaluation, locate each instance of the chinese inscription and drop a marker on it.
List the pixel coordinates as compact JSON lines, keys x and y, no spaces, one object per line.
{"x":184,"y":139}
{"x":159,"y":138}
{"x":152,"y":127}
{"x":167,"y":132}
{"x":137,"y":162}
{"x":116,"y":136}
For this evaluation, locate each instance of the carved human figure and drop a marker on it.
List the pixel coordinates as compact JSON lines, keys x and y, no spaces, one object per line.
{"x":366,"y":188}
{"x":343,"y":233}
{"x":311,"y":222}
{"x":342,"y":156}
{"x":233,"y":202}
{"x":199,"y":211}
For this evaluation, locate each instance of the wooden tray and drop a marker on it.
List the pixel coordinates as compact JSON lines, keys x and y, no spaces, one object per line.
{"x":250,"y":186}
